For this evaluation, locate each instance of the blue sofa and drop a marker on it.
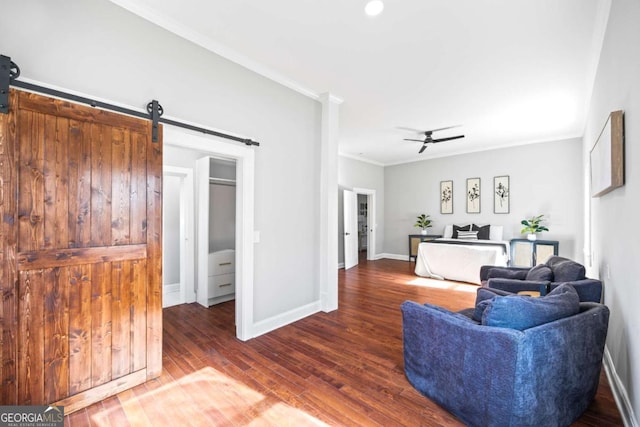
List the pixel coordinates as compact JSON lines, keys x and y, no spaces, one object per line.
{"x":543,"y":278}
{"x":545,"y":375}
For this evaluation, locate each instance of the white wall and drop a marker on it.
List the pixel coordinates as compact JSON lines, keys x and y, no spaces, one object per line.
{"x":357,"y":174}
{"x":99,"y":49}
{"x":545,"y":178}
{"x":615,"y":255}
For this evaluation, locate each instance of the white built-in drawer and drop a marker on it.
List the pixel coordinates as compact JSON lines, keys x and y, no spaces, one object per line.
{"x":222,"y":284}
{"x":222,"y":262}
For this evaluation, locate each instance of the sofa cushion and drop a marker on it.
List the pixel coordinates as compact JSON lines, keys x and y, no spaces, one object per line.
{"x":522,"y":312}
{"x":568,"y":271}
{"x":506,"y":273}
{"x":540,"y":272}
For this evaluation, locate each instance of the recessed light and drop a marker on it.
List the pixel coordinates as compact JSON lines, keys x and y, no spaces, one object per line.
{"x":374,"y":7}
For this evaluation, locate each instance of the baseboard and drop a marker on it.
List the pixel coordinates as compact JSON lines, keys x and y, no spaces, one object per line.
{"x":275,"y":322}
{"x":619,"y":392}
{"x":395,"y":256}
{"x":377,"y":257}
{"x":171,"y":295}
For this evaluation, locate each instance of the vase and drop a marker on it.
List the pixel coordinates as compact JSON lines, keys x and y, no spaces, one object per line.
{"x":423,"y":231}
{"x":532,"y":236}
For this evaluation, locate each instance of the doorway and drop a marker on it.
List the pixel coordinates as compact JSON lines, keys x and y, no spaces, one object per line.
{"x":177,"y":224}
{"x":216,"y":219}
{"x":363,"y":234}
{"x":209,"y":146}
{"x":358,"y":221}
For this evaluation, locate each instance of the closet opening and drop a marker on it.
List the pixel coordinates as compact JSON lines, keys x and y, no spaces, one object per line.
{"x":218,"y":207}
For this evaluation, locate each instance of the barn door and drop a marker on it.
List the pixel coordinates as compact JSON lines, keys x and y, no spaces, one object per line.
{"x":81,"y":205}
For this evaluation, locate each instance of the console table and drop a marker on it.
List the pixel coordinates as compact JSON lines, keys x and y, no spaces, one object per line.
{"x":416,"y":239}
{"x":528,"y":253}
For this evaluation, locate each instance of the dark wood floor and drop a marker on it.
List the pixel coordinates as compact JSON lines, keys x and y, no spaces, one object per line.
{"x":339,"y":368}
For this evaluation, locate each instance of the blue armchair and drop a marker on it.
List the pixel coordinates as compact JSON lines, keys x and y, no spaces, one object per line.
{"x":498,"y":376}
{"x":543,"y":278}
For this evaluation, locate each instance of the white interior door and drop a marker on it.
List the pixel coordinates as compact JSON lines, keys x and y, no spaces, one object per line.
{"x":350,"y":203}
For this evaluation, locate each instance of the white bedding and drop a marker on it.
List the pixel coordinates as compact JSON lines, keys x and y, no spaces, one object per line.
{"x":458,"y":261}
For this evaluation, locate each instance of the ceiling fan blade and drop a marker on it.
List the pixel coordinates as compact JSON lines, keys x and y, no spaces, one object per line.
{"x":448,"y":127}
{"x":424,"y":147}
{"x":448,"y":139}
{"x":409,"y":129}
{"x":419,"y":140}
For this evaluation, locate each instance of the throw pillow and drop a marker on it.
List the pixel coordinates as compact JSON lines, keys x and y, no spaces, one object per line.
{"x":540,"y":273}
{"x":521,"y":312}
{"x":483,"y":232}
{"x":568,"y":271}
{"x":483,"y":297}
{"x":456,"y":228}
{"x":467,"y":235}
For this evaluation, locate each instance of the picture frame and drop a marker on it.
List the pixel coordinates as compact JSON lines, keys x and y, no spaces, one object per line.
{"x":446,"y":197}
{"x":501,"y":194}
{"x":606,"y":158}
{"x":473,"y":195}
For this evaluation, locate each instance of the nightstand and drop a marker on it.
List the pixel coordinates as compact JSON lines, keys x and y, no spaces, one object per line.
{"x":528,"y":253}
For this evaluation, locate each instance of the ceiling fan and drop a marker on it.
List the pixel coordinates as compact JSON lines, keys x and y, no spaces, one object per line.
{"x":427,"y":136}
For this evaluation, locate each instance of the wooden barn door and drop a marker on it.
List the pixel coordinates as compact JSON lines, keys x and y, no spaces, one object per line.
{"x":80,"y":249}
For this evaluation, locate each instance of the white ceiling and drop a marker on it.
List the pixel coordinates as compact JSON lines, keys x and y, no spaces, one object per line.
{"x":509,"y":71}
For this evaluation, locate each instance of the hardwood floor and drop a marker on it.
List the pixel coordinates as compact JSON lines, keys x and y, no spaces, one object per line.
{"x":339,"y":368}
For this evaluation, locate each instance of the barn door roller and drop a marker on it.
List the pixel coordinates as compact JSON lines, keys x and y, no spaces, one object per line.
{"x":8,"y":72}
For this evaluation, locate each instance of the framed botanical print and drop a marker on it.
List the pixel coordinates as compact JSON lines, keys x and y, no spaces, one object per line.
{"x":501,"y":189}
{"x":446,"y":197}
{"x":473,"y":195}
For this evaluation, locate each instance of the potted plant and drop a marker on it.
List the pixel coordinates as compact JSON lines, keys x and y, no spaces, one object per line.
{"x":423,"y":222}
{"x":532,"y":226}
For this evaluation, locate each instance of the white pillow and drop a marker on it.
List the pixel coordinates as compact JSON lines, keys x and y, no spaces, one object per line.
{"x":467,"y":235}
{"x":448,"y":231}
{"x":495,"y":232}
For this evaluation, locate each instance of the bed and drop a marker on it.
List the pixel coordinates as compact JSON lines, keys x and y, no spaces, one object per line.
{"x":459,"y":258}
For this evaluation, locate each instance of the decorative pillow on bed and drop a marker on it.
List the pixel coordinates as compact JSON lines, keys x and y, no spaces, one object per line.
{"x":467,"y":235}
{"x":540,"y":273}
{"x":522,"y":312}
{"x":457,"y":228}
{"x":483,"y":232}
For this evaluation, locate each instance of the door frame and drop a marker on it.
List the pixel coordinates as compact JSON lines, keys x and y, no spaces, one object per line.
{"x":187,"y":265}
{"x":371,"y":220}
{"x":245,"y":172}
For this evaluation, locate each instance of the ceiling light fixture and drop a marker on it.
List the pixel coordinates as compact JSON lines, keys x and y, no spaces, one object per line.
{"x":374,"y":7}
